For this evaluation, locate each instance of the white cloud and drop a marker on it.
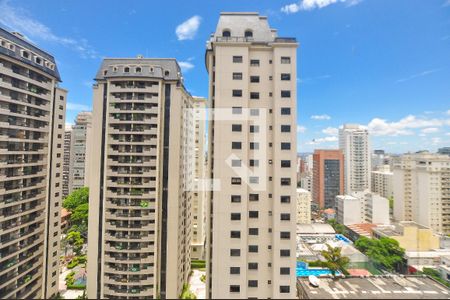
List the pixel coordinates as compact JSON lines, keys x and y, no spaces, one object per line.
{"x":188,"y":29}
{"x":381,"y":127}
{"x":313,"y":4}
{"x":18,"y":19}
{"x":326,"y":139}
{"x":301,"y":129}
{"x":421,"y":74}
{"x":436,"y":141}
{"x":185,"y":66}
{"x":77,"y":106}
{"x":320,"y":117}
{"x":331,"y":131}
{"x":448,"y":111}
{"x":313,"y":79}
{"x":430,"y":130}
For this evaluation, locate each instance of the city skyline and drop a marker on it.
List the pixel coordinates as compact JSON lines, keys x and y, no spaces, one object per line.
{"x":347,"y":52}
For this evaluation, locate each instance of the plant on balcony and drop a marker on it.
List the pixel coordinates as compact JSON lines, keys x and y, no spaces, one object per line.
{"x":27,"y":278}
{"x":186,"y":292}
{"x":144,"y":203}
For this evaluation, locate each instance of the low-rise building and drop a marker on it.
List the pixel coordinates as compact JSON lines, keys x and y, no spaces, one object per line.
{"x":372,"y":287}
{"x":303,"y":206}
{"x":362,"y":207}
{"x":349,"y":210}
{"x":444,"y":268}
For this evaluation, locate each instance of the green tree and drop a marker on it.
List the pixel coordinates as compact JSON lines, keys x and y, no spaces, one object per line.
{"x":79,"y":218}
{"x":76,"y":198}
{"x":76,"y":241}
{"x":186,"y":292}
{"x":391,"y":202}
{"x":334,"y":260}
{"x":339,"y":228}
{"x":384,"y":251}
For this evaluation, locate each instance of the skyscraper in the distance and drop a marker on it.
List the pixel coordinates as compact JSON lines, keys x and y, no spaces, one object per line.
{"x":328,"y":177}
{"x":354,"y":143}
{"x":32,"y":117}
{"x":141,"y":170}
{"x":252,"y":159}
{"x":66,"y":161}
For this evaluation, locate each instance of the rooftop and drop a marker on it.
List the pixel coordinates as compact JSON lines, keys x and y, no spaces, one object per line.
{"x":315,"y":228}
{"x":373,"y":287}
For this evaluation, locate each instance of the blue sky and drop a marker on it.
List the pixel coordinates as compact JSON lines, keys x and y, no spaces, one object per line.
{"x":384,"y":64}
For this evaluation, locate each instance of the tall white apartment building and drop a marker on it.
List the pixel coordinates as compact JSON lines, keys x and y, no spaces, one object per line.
{"x":376,"y":209}
{"x":199,"y":197}
{"x":140,"y":194}
{"x":32,"y":117}
{"x":252,"y":162}
{"x":304,"y":199}
{"x":354,"y":143}
{"x":79,"y":156}
{"x":422,"y":190}
{"x":349,"y":210}
{"x":66,"y":161}
{"x":362,"y":207}
{"x":382,"y":181}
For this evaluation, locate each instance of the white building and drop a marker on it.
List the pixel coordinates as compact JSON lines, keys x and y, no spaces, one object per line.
{"x":306,"y":181}
{"x":354,"y":143}
{"x":376,"y":209}
{"x":421,"y":190}
{"x":382,"y":181}
{"x":303,"y":206}
{"x":349,"y":210}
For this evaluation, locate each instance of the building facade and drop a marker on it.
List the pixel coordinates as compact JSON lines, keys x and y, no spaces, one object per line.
{"x":252,"y":205}
{"x":199,"y":196}
{"x":354,"y":144}
{"x":32,"y":117}
{"x":303,"y":206}
{"x":140,"y":195}
{"x":382,"y":181}
{"x":79,"y":156}
{"x":328,"y":177}
{"x":349,"y":210}
{"x":66,"y":161}
{"x":422,"y":190}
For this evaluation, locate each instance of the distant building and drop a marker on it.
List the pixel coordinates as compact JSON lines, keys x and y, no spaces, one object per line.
{"x":349,"y":210}
{"x":382,"y":181}
{"x":376,"y":209}
{"x":373,"y":287}
{"x":66,"y":161}
{"x":421,"y":184}
{"x":444,"y":268}
{"x":354,"y":143}
{"x":303,"y":206}
{"x":306,"y":181}
{"x":444,"y":150}
{"x":328,"y":177}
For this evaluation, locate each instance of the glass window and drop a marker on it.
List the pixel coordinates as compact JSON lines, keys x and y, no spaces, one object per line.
{"x":237,"y":76}
{"x":285,"y":76}
{"x":285,"y":60}
{"x":237,"y":59}
{"x":237,"y":93}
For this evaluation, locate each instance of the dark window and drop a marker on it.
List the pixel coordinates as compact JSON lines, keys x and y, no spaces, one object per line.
{"x":235,"y":270}
{"x":253,"y":197}
{"x":235,"y":252}
{"x":236,"y":127}
{"x":285,"y":181}
{"x":285,"y":110}
{"x":284,"y":235}
{"x":285,"y":252}
{"x":253,"y":283}
{"x":236,"y":180}
{"x":235,"y":216}
{"x":285,"y":289}
{"x":285,"y":199}
{"x":236,"y":110}
{"x":285,"y":146}
{"x":254,"y":163}
{"x":248,"y":33}
{"x":253,"y":231}
{"x":235,"y":234}
{"x":254,"y":95}
{"x":237,"y":93}
{"x":285,"y":271}
{"x":253,"y":266}
{"x":253,"y":248}
{"x":237,"y":76}
{"x":236,"y":163}
{"x":285,"y":94}
{"x":226,"y":33}
{"x":285,"y":76}
{"x":235,"y":198}
{"x":237,"y":59}
{"x":285,"y":60}
{"x":126,"y":70}
{"x":285,"y":217}
{"x":254,"y":128}
{"x":138,"y":70}
{"x":253,"y":214}
{"x":285,"y":128}
{"x":254,"y":62}
{"x":254,"y":79}
{"x":254,"y":146}
{"x":236,"y":145}
{"x":285,"y":163}
{"x":236,"y":288}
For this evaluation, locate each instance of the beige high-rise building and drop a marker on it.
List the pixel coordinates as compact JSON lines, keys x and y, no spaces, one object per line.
{"x":141,"y":150}
{"x":79,"y":157}
{"x":382,"y":181}
{"x":304,"y":200}
{"x":199,"y":196}
{"x":66,"y":161}
{"x":32,"y":117}
{"x":354,"y":143}
{"x":422,"y":190}
{"x":252,"y":159}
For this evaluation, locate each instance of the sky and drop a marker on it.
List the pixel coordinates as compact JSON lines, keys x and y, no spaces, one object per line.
{"x":383,"y":64}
